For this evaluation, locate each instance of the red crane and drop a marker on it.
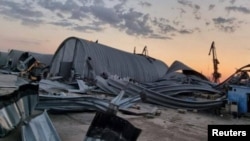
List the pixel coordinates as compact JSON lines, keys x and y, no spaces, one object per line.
{"x":216,"y":74}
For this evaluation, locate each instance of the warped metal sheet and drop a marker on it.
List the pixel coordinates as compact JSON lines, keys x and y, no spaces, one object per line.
{"x":121,"y":85}
{"x":71,"y":103}
{"x":9,"y":118}
{"x":165,"y":100}
{"x":102,"y":83}
{"x":81,"y":103}
{"x":168,"y":101}
{"x":46,"y":85}
{"x":124,"y":101}
{"x":127,"y":102}
{"x":39,"y":128}
{"x":17,"y":106}
{"x":177,"y":77}
{"x":83,"y":88}
{"x":177,"y":65}
{"x":185,"y":87}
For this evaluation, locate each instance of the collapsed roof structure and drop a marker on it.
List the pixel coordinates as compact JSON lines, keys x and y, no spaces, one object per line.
{"x":239,"y":77}
{"x":177,"y":65}
{"x":17,"y":58}
{"x":87,"y":58}
{"x":26,"y":64}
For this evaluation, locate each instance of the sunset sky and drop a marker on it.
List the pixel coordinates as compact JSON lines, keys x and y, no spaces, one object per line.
{"x":172,"y":30}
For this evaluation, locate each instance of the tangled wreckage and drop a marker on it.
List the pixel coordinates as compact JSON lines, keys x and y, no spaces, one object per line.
{"x":88,"y":76}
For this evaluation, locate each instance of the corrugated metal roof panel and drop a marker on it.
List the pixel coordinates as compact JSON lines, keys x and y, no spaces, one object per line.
{"x":39,"y":128}
{"x":17,"y":106}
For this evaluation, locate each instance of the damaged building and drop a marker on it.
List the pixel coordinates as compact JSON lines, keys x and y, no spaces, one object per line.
{"x":17,"y":60}
{"x":85,"y":59}
{"x":122,"y":81}
{"x":23,"y":62}
{"x":157,"y":83}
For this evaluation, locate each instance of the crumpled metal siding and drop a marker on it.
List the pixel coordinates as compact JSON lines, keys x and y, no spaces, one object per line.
{"x":153,"y":96}
{"x":16,"y":107}
{"x":40,"y":128}
{"x":9,"y":119}
{"x":110,"y":60}
{"x":177,"y":65}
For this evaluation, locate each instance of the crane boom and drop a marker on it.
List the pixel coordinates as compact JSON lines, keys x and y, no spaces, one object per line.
{"x":216,"y":75}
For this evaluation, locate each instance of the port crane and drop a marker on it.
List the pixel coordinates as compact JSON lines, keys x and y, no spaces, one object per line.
{"x":216,"y":75}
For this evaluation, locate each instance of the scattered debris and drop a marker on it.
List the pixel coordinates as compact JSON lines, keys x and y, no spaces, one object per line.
{"x":182,"y":111}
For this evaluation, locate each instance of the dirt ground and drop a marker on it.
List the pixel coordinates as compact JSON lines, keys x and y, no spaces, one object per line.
{"x":170,"y":125}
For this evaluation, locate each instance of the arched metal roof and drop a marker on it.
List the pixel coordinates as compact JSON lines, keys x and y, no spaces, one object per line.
{"x":74,"y":52}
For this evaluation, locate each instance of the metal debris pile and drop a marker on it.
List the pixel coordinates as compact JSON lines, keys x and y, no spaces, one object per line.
{"x":175,"y":90}
{"x":26,"y":109}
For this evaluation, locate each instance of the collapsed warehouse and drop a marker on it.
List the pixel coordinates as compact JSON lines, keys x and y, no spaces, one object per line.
{"x":81,"y":71}
{"x":29,"y":64}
